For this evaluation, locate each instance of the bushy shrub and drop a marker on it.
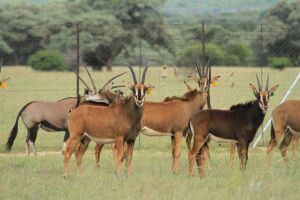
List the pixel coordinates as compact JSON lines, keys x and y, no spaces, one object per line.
{"x":47,"y":60}
{"x":280,"y":62}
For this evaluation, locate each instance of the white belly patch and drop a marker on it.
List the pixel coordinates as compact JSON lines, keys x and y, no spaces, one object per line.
{"x":221,"y":140}
{"x":297,"y":133}
{"x":151,"y":132}
{"x":101,"y":140}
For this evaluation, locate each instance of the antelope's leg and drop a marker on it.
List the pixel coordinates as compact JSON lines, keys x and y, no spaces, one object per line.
{"x":232,"y":152}
{"x":114,"y":151}
{"x":206,"y":156}
{"x":120,"y":153}
{"x":30,"y":140}
{"x":198,"y":143}
{"x":128,"y":155}
{"x":173,"y":151}
{"x":98,"y":149}
{"x":177,"y":148}
{"x":72,"y":144}
{"x":203,"y":156}
{"x":243,"y":154}
{"x":271,"y":145}
{"x":285,"y":143}
{"x":66,"y":137}
{"x":294,"y":147}
{"x":188,"y":139}
{"x":79,"y":152}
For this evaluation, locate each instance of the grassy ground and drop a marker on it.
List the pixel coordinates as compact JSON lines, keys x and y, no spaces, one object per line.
{"x":23,"y":177}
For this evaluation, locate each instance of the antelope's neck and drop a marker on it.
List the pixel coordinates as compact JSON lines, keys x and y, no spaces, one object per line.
{"x":132,"y":110}
{"x":196,"y":104}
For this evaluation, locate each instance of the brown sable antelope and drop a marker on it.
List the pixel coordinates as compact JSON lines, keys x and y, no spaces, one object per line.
{"x":52,"y":116}
{"x":285,"y":127}
{"x":171,"y":117}
{"x":237,"y":125}
{"x":117,"y":123}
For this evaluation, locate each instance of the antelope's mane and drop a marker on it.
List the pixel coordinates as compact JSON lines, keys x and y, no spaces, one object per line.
{"x":242,"y":106}
{"x":186,"y":97}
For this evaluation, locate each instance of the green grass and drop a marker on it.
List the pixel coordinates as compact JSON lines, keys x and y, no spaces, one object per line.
{"x":23,"y":177}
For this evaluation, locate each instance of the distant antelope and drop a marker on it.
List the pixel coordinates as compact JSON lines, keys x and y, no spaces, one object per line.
{"x":52,"y":116}
{"x":237,"y":125}
{"x":117,"y":123}
{"x":285,"y":127}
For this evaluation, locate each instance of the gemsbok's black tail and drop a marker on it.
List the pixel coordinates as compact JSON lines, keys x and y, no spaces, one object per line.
{"x":14,"y":130}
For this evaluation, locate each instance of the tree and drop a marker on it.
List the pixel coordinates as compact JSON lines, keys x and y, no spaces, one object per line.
{"x":280,"y":33}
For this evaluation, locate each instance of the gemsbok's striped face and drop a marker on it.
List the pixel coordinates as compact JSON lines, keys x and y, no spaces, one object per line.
{"x":263,"y":96}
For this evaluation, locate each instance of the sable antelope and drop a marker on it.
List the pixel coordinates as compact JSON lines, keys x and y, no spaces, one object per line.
{"x":117,"y":123}
{"x":237,"y":125}
{"x":52,"y":116}
{"x":171,"y":117}
{"x":285,"y":127}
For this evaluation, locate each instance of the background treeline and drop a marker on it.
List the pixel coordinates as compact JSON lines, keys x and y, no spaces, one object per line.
{"x":114,"y":32}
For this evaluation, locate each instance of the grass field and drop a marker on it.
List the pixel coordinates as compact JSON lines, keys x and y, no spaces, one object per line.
{"x":23,"y":177}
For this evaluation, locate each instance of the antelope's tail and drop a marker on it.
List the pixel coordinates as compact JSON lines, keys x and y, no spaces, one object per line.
{"x":14,"y":130}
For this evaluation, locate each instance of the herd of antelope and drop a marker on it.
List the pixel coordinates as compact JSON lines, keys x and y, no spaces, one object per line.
{"x":107,"y":117}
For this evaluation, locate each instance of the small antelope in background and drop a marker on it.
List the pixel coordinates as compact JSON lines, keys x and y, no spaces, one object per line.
{"x":285,"y":127}
{"x":52,"y":116}
{"x":237,"y":125}
{"x":117,"y":123}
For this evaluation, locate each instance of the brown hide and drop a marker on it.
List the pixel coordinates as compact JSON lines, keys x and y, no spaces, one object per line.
{"x":105,"y":122}
{"x":287,"y":114}
{"x":172,"y":115}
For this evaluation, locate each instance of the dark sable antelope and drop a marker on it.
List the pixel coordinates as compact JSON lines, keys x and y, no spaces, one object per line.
{"x":52,"y":116}
{"x":237,"y":125}
{"x":285,"y":127}
{"x":117,"y":123}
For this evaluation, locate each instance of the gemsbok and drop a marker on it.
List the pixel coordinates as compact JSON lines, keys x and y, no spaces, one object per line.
{"x":117,"y":123}
{"x":52,"y":116}
{"x":285,"y":127}
{"x":237,"y":125}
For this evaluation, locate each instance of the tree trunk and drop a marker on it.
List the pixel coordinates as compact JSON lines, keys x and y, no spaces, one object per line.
{"x":109,"y":64}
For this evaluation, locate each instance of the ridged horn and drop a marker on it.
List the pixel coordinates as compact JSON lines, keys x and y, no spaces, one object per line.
{"x":144,"y":74}
{"x":93,"y":83}
{"x":258,"y":82}
{"x":84,"y":83}
{"x":133,"y":74}
{"x":110,"y":80}
{"x":267,"y":84}
{"x":197,"y":66}
{"x":207,"y":67}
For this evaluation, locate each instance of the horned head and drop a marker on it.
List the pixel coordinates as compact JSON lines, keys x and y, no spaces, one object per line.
{"x":139,"y":89}
{"x":263,"y":95}
{"x":204,"y":72}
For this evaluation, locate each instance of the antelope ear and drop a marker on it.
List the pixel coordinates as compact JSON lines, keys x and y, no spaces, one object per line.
{"x":148,"y":88}
{"x":214,"y":81}
{"x":254,"y":89}
{"x":272,"y":90}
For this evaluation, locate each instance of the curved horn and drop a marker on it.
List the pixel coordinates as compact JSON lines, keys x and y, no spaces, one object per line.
{"x":86,"y":85}
{"x":93,"y":83}
{"x":117,"y":86}
{"x":197,"y":66}
{"x":144,"y":74}
{"x":258,"y":82}
{"x":110,"y":80}
{"x":267,"y":84}
{"x":207,"y":66}
{"x":133,"y":74}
